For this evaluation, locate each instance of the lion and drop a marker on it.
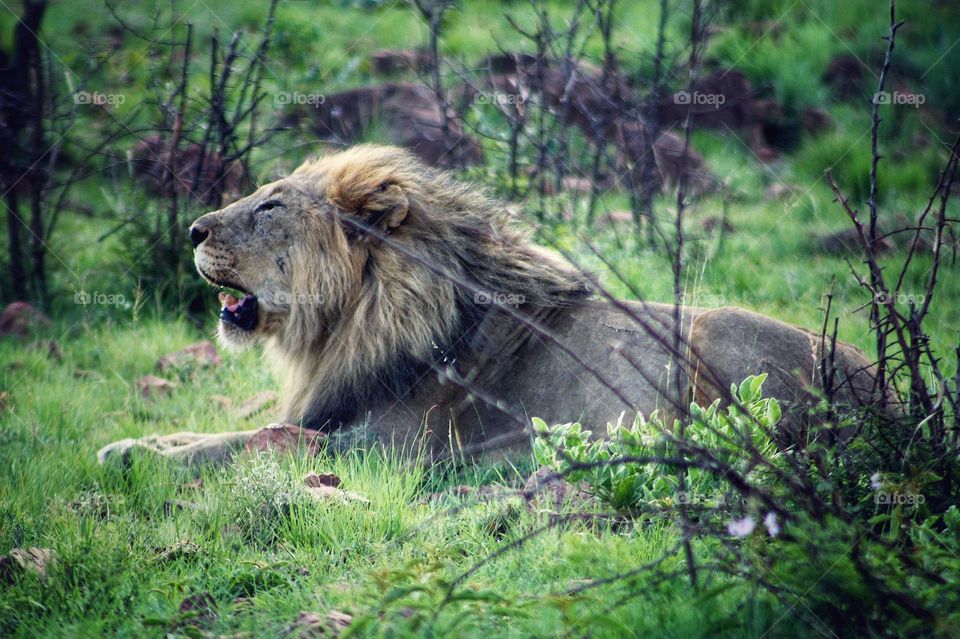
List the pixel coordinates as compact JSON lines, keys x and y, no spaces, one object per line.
{"x":399,"y":305}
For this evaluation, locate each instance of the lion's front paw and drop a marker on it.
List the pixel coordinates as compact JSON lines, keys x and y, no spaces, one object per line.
{"x":116,"y":450}
{"x":191,"y":448}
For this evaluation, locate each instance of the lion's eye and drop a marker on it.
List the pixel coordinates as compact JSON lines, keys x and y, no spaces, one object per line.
{"x":269,"y":205}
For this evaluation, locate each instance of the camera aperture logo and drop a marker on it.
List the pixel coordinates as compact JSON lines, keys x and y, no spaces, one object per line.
{"x":83,"y":298}
{"x":496,"y":298}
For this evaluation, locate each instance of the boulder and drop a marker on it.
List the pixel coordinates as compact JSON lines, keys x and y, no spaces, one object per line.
{"x":408,"y":115}
{"x":200,"y":174}
{"x":21,"y":561}
{"x":548,"y":490}
{"x":19,"y":319}
{"x":153,"y":386}
{"x":309,"y":625}
{"x":201,"y":354}
{"x":284,"y":438}
{"x":326,"y":486}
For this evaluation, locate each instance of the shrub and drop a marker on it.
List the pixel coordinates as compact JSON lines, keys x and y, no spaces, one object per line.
{"x":812,"y":522}
{"x":571,"y":450}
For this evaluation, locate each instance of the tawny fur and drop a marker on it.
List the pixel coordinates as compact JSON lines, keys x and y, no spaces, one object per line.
{"x":367,"y":265}
{"x":395,"y":254}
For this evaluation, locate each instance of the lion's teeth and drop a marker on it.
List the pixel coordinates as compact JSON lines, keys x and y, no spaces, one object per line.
{"x":228,"y":301}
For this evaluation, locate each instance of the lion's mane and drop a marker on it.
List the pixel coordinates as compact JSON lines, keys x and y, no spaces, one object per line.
{"x":403,"y":279}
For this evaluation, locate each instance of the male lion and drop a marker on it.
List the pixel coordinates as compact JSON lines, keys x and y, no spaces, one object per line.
{"x":394,"y":301}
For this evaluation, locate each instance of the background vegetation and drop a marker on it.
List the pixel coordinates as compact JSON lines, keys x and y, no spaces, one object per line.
{"x":149,"y":550}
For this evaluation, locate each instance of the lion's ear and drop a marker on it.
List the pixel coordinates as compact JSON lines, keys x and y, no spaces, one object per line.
{"x":386,"y":208}
{"x":382,"y":206}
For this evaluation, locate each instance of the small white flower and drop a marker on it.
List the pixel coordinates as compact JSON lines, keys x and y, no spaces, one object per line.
{"x":741,"y":527}
{"x":876,"y":480}
{"x":773,"y":526}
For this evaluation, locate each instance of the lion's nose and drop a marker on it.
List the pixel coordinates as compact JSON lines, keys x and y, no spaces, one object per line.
{"x":198,"y":235}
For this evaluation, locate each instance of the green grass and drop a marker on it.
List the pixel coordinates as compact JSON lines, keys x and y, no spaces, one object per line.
{"x":108,"y":524}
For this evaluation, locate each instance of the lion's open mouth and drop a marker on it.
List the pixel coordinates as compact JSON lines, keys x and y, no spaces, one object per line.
{"x":241,"y":312}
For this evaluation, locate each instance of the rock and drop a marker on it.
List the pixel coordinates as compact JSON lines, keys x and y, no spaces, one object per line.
{"x":595,"y":103}
{"x":152,"y":386}
{"x":202,"y":353}
{"x":19,"y":319}
{"x":21,"y":561}
{"x":284,"y":438}
{"x":311,"y":624}
{"x":845,"y":75}
{"x":847,"y":242}
{"x":150,"y":158}
{"x":326,"y":486}
{"x":925,"y":242}
{"x":545,"y":489}
{"x":314,"y":480}
{"x":406,"y":114}
{"x":339,"y":620}
{"x":256,"y":404}
{"x":724,"y":99}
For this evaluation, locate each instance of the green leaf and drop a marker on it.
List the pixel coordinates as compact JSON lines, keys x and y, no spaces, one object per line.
{"x":773,"y":412}
{"x":756,"y":385}
{"x":540,"y":426}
